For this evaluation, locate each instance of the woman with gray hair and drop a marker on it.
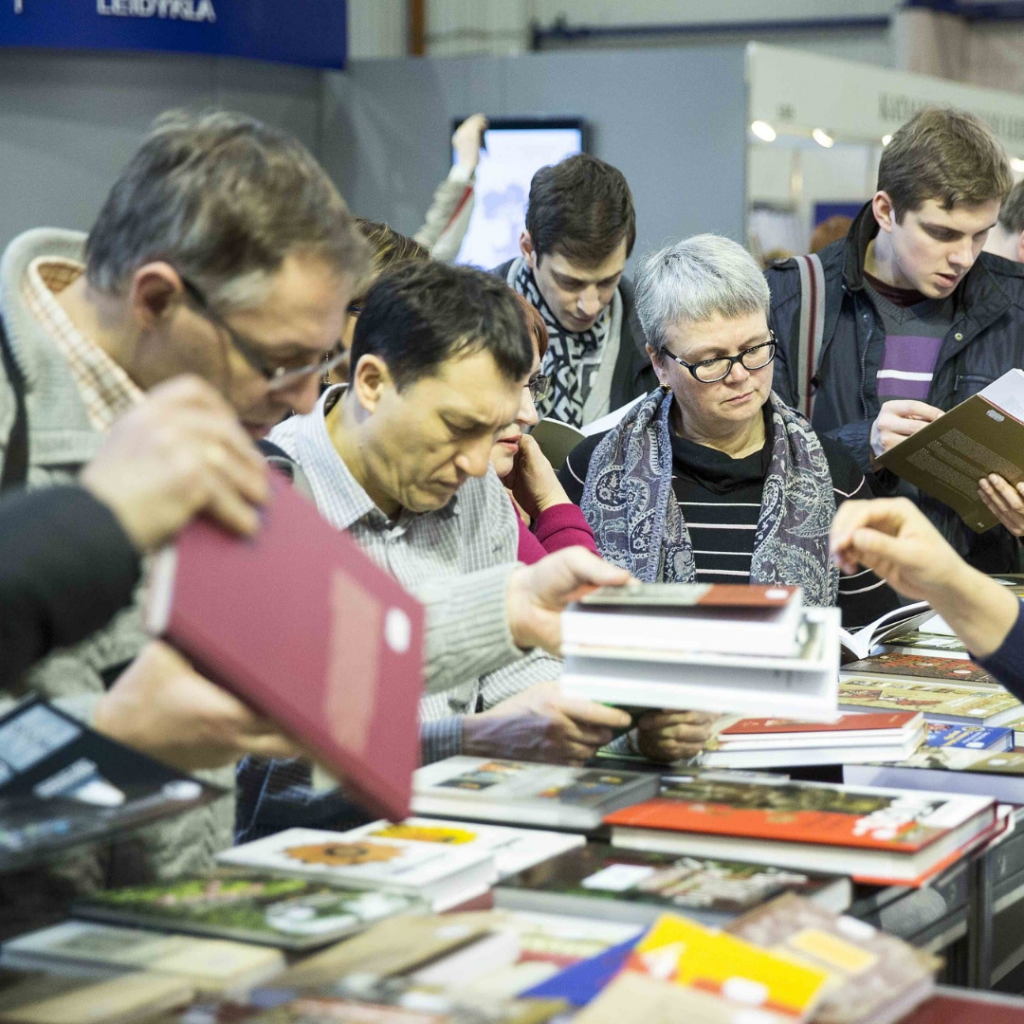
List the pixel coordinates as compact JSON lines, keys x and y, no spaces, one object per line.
{"x":712,"y":478}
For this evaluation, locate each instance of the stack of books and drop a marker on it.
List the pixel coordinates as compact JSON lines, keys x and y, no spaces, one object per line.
{"x":882,"y":836}
{"x":704,"y":647}
{"x":855,"y":738}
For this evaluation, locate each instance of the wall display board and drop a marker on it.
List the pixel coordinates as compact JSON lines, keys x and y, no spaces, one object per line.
{"x":306,"y":32}
{"x":514,"y":150}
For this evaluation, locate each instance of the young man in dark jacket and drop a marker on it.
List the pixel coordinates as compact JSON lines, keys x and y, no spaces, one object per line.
{"x":916,"y":317}
{"x":580,"y":230}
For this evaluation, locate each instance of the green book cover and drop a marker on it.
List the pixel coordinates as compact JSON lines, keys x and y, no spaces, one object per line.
{"x":290,"y":913}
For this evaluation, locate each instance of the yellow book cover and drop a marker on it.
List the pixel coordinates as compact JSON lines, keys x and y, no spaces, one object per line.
{"x":677,"y":949}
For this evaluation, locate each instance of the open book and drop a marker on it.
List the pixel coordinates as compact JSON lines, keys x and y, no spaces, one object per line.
{"x":892,"y":623}
{"x":982,"y":435}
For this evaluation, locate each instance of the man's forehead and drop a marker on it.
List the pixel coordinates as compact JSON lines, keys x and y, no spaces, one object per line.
{"x":472,"y":387}
{"x":609,"y":267}
{"x":961,"y":217}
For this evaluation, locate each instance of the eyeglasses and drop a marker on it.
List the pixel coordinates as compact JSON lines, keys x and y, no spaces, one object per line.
{"x":538,"y":387}
{"x":277,"y":377}
{"x":707,"y":371}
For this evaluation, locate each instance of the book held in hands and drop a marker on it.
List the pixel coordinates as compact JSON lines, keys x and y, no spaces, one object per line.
{"x":300,"y":623}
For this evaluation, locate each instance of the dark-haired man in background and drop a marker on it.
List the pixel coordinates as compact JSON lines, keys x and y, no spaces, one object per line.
{"x":916,"y":317}
{"x":580,"y":230}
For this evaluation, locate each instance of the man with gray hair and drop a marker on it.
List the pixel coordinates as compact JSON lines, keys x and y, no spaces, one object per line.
{"x":223,"y":250}
{"x":734,"y":485}
{"x":1006,"y":239}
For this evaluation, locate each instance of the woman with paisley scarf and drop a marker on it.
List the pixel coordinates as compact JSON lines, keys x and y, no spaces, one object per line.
{"x":711,"y":478}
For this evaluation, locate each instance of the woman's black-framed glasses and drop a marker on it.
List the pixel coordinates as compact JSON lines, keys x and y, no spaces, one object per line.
{"x":708,"y":371}
{"x":538,"y":386}
{"x":277,"y":377}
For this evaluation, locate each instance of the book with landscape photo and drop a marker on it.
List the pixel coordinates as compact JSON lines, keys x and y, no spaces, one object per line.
{"x":522,"y":792}
{"x":601,"y":881}
{"x":891,"y":834}
{"x":949,"y":456}
{"x":210,"y":965}
{"x":290,"y":913}
{"x":938,"y":702}
{"x":63,"y":784}
{"x":348,"y":679}
{"x":441,"y":875}
{"x":877,"y":978}
{"x":999,"y":774}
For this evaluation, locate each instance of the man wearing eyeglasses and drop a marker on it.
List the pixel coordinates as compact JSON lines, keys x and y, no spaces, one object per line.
{"x":222,"y":251}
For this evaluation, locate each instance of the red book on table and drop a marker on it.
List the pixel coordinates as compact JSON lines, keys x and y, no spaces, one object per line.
{"x":302,"y":625}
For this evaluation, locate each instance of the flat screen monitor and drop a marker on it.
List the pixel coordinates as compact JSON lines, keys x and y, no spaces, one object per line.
{"x":514,"y":151}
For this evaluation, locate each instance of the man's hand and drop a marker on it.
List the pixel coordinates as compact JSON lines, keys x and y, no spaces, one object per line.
{"x":163,"y":707}
{"x":1004,"y":501}
{"x":468,"y":139}
{"x":673,"y":735}
{"x":539,"y":593}
{"x":540,"y":724}
{"x":532,"y":481}
{"x":897,"y":420}
{"x":892,"y":537}
{"x":178,"y":453}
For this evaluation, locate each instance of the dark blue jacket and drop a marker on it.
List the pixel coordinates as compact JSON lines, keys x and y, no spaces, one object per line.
{"x":985,"y":340}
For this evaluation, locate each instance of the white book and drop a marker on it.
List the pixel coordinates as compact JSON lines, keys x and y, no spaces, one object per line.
{"x":892,"y":623}
{"x":522,"y":792}
{"x":663,"y":618}
{"x":766,"y":757}
{"x":804,"y":687}
{"x":210,"y":965}
{"x":443,"y":875}
{"x":513,"y":849}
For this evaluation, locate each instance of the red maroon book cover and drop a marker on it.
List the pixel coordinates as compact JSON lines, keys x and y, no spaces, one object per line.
{"x":845,"y":723}
{"x":968,"y":1008}
{"x":302,"y":625}
{"x":801,"y":812}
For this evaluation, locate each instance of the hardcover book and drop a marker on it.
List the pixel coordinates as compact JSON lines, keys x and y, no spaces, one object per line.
{"x":525,"y":792}
{"x":601,"y":881}
{"x":62,"y":784}
{"x":949,"y":456}
{"x":876,"y":978}
{"x":32,"y":997}
{"x":290,"y":913}
{"x":442,"y":875}
{"x":999,"y":774}
{"x":886,"y":834}
{"x":740,"y":619}
{"x":513,"y":849}
{"x":701,"y":678}
{"x":919,"y":666}
{"x":211,"y":965}
{"x":957,"y":705}
{"x":913,"y":641}
{"x":332,"y":650}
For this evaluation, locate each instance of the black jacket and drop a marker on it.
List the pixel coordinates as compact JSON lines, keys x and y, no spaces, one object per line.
{"x":985,"y":340}
{"x":66,"y":566}
{"x":633,"y":375}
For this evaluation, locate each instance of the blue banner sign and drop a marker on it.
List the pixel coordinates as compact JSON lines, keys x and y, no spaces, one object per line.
{"x":309,"y":32}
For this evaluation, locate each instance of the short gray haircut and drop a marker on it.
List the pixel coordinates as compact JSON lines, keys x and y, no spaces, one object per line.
{"x":224,"y":199}
{"x":691,"y":281}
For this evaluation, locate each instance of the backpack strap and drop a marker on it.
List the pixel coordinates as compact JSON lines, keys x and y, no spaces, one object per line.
{"x":282,"y":461}
{"x":811,"y":329}
{"x":14,"y":472}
